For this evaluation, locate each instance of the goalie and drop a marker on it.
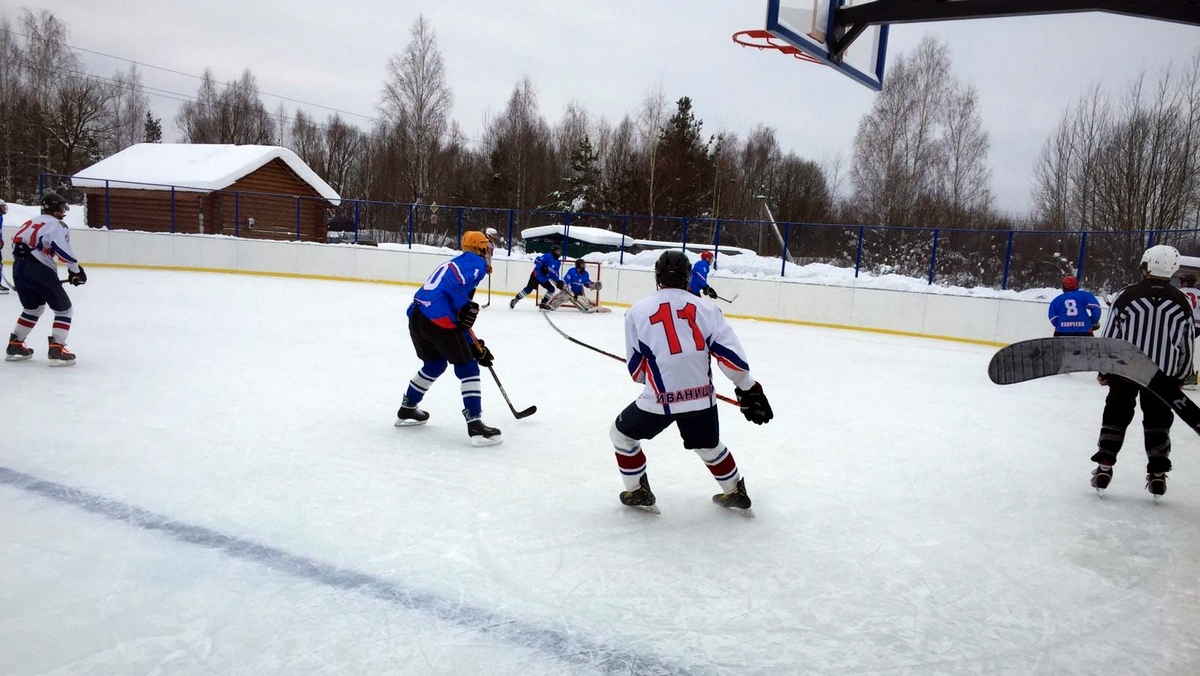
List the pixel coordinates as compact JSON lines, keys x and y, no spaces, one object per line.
{"x":574,"y":282}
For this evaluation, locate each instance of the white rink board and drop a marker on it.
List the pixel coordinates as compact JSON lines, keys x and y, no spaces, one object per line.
{"x":991,"y":320}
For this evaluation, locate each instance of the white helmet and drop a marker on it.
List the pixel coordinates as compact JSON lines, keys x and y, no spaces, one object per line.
{"x":490,"y":232}
{"x":1161,"y":260}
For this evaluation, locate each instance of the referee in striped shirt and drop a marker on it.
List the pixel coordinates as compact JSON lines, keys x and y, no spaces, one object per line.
{"x":1155,"y":316}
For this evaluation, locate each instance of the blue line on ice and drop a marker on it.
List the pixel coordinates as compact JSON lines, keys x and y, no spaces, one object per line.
{"x":560,"y":644}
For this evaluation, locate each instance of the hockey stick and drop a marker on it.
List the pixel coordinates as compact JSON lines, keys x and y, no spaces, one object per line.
{"x":1042,"y":357}
{"x":610,"y":355}
{"x":728,"y":300}
{"x":489,"y":301}
{"x":516,"y":414}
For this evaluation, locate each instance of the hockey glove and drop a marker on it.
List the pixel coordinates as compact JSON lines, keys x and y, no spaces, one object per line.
{"x":754,"y":404}
{"x":467,"y":315}
{"x":77,"y":278}
{"x":596,"y":286}
{"x":483,"y":355}
{"x":558,"y":284}
{"x":710,"y":292}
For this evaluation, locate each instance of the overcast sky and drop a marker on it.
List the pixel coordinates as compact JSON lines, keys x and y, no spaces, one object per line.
{"x":609,"y":55}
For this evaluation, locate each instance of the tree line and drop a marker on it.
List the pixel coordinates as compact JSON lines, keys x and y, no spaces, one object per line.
{"x":919,"y":156}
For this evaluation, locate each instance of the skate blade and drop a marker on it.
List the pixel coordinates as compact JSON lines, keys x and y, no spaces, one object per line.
{"x":17,"y":357}
{"x":1100,"y":493}
{"x":409,"y":423}
{"x":486,"y":441}
{"x":748,"y":512}
{"x":59,"y":362}
{"x":649,"y":509}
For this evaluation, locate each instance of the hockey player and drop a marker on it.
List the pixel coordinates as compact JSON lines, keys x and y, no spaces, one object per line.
{"x":37,"y":248}
{"x":545,"y":273}
{"x":699,"y":278}
{"x":439,"y":322}
{"x":670,"y":338}
{"x":1074,"y":312}
{"x":574,"y":282}
{"x":1157,"y":318}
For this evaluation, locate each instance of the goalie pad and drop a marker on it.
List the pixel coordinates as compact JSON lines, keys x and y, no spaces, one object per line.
{"x":559,"y":298}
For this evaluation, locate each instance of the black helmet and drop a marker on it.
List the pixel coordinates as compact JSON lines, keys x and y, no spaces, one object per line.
{"x":579,"y":263}
{"x":556,"y":250}
{"x":673,"y":270}
{"x":52,"y":202}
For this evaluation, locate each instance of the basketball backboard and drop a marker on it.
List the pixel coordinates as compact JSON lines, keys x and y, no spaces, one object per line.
{"x":808,"y":25}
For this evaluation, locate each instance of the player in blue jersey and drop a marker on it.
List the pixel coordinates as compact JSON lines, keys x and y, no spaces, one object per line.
{"x":37,"y":247}
{"x":575,"y":282}
{"x":545,"y":273}
{"x":439,"y":322}
{"x":699,"y":281}
{"x":1074,"y":312}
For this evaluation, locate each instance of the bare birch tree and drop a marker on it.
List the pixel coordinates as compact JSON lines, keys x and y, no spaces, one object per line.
{"x":416,"y":107}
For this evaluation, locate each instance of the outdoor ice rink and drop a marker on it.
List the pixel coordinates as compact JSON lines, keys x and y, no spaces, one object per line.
{"x":217,"y":488}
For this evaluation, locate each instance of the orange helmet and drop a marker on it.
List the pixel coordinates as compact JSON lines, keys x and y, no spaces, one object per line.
{"x":475,"y":242}
{"x":707,"y":255}
{"x":1069,"y":283}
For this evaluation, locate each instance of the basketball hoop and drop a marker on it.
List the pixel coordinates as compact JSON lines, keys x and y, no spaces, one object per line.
{"x":768,"y":40}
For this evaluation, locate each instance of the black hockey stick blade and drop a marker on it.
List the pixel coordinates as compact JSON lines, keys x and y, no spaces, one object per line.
{"x":1041,"y":357}
{"x":525,"y":413}
{"x":489,"y":300}
{"x":728,"y":300}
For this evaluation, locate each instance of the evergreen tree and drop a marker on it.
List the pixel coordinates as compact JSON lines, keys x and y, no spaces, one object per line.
{"x":153,"y":129}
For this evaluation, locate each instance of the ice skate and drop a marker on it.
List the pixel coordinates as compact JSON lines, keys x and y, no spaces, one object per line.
{"x":1101,"y":477}
{"x":512,"y":304}
{"x":59,"y":355}
{"x":641,"y":498}
{"x":737,"y":500}
{"x":16,"y":349}
{"x":1156,"y":483}
{"x":480,"y":433}
{"x":409,"y":415}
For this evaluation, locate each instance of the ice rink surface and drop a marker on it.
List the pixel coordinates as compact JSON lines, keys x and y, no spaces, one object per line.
{"x":217,"y":488}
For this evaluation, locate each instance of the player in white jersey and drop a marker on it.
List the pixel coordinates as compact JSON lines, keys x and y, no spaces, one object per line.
{"x":670,"y":338}
{"x":37,"y":247}
{"x":1187,"y":284}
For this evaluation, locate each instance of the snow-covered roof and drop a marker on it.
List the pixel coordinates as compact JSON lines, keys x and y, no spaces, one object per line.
{"x":581,"y":233}
{"x":195,"y":167}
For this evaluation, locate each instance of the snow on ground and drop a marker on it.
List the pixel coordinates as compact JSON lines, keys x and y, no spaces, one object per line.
{"x":217,"y":487}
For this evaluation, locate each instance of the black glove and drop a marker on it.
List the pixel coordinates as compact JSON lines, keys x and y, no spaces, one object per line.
{"x":483,"y":355}
{"x":709,"y":291}
{"x":467,"y":315}
{"x":77,"y":278}
{"x":1096,"y":327}
{"x":544,"y":270}
{"x":754,"y":404}
{"x":22,"y":251}
{"x":558,"y":284}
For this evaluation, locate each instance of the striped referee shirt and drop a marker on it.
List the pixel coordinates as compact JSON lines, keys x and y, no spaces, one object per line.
{"x":1156,"y":317}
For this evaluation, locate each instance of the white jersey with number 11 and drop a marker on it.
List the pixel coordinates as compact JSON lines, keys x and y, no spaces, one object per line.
{"x":669,"y":338}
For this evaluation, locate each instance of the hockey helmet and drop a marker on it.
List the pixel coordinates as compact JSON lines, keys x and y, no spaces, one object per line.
{"x":1187,"y":279}
{"x":707,"y":255}
{"x":490,"y":232}
{"x":579,"y":264}
{"x":1069,"y":283}
{"x":673,"y":270}
{"x":52,"y":202}
{"x":556,"y":250}
{"x":475,"y":242}
{"x":1161,"y":261}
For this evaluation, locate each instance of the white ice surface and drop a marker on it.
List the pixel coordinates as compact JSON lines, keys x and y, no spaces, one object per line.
{"x":217,"y":487}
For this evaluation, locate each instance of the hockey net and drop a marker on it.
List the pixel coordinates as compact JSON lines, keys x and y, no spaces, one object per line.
{"x":590,"y":297}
